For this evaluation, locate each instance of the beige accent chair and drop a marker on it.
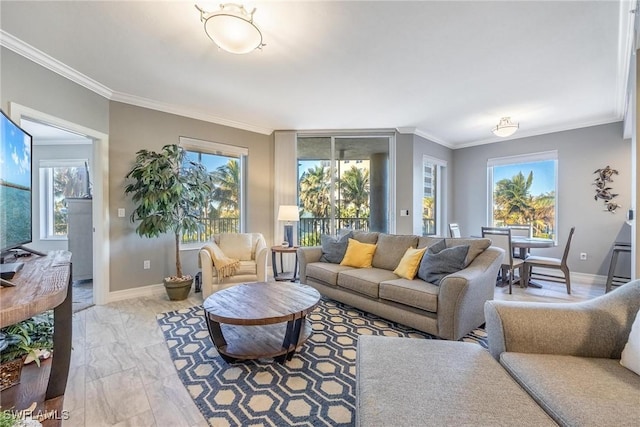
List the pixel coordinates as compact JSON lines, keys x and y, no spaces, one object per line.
{"x":250,"y":248}
{"x":547,"y":262}
{"x":501,"y":238}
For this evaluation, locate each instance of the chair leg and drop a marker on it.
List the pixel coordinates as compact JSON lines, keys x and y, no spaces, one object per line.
{"x":567,"y":278}
{"x":510,"y":278}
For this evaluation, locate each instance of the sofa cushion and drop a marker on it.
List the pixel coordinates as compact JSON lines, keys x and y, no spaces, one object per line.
{"x":578,"y":391}
{"x":364,"y":280}
{"x":631,"y":353}
{"x":391,"y":248}
{"x":366,"y":236}
{"x":476,"y":246}
{"x":236,"y":245}
{"x":358,"y":254}
{"x":414,"y":293}
{"x":414,"y":382}
{"x":426,"y":241}
{"x":325,"y":272}
{"x":333,"y":248}
{"x":408,"y":266}
{"x":435,"y":265}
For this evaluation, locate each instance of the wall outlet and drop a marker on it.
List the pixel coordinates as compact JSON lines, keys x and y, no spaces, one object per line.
{"x":404,"y":212}
{"x":147,"y":264}
{"x":583,"y":256}
{"x":121,"y":213}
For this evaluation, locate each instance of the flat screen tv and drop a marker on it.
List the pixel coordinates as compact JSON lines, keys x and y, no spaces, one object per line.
{"x":15,"y":190}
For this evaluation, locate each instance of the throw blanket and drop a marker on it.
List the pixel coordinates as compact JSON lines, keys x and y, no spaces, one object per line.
{"x":225,"y":266}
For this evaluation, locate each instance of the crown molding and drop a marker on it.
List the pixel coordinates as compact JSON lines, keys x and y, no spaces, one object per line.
{"x":625,"y":54}
{"x":425,"y":135}
{"x":31,"y":53}
{"x":185,"y":112}
{"x":35,"y":55}
{"x":553,"y":129}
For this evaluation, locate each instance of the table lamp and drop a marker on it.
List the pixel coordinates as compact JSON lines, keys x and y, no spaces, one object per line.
{"x":288,"y":213}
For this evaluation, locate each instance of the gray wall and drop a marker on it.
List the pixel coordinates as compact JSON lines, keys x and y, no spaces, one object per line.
{"x":410,"y":150}
{"x":33,"y":86}
{"x":580,"y":153}
{"x":134,"y":128}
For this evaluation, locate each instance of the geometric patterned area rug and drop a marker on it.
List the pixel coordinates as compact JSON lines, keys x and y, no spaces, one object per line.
{"x":315,"y":388}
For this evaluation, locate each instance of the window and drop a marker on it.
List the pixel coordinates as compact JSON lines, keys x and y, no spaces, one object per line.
{"x":224,"y":213}
{"x":523,"y":190}
{"x":60,"y":179}
{"x":432,"y":195}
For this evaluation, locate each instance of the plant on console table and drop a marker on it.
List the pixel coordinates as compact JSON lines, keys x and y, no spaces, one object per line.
{"x":169,"y":190}
{"x":25,"y":342}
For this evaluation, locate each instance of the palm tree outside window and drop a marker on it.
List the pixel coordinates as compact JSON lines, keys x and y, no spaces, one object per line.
{"x":523,"y":191}
{"x":224,"y":211}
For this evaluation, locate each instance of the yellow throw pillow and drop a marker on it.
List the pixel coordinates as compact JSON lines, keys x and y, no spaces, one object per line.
{"x":409,"y":264}
{"x":358,"y":254}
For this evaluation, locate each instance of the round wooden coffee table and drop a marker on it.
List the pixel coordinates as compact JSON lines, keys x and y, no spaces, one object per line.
{"x":255,"y":320}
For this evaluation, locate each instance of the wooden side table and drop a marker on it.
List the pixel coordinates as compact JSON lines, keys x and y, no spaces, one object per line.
{"x":284,"y":250}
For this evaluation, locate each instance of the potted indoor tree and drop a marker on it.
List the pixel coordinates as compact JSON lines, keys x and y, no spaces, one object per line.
{"x":169,"y":191}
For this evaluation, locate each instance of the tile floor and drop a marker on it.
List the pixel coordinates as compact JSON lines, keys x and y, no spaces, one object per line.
{"x":121,"y":373}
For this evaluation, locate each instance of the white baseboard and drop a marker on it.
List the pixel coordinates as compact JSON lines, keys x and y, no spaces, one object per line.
{"x":586,"y":278}
{"x":142,"y":291}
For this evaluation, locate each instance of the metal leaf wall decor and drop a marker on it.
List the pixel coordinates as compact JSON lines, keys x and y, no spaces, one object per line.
{"x":603,"y":191}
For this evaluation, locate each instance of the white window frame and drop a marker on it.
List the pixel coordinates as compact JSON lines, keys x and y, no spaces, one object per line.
{"x":521,"y":158}
{"x":441,"y":194}
{"x":219,"y":149}
{"x":45,"y":170}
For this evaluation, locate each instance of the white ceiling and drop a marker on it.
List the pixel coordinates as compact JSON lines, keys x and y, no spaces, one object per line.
{"x":444,"y":70}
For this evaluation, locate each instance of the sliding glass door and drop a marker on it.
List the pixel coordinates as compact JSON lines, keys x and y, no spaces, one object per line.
{"x":343,"y":184}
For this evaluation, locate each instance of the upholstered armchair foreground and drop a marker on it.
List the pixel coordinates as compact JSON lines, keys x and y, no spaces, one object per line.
{"x":596,"y":328}
{"x":250,"y":249}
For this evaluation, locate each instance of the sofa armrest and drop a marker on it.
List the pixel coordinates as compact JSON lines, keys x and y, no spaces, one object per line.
{"x":596,"y":328}
{"x":462,"y":294}
{"x":307,"y":255}
{"x":205,"y":262}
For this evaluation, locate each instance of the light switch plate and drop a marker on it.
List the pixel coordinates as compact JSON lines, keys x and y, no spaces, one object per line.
{"x":404,"y":212}
{"x":121,"y":213}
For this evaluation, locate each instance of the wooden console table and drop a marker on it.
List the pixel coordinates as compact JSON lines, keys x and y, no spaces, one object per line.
{"x":43,"y":283}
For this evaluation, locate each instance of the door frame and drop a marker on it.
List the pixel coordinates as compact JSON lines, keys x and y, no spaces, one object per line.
{"x":100,"y":215}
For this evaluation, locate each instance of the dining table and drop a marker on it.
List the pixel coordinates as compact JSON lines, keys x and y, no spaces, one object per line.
{"x":524,"y":244}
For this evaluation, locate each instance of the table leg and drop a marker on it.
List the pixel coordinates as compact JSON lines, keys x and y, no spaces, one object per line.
{"x":281,"y":264}
{"x":215,"y":332}
{"x":297,"y":329}
{"x":286,"y":342}
{"x":273,"y":265}
{"x":295,"y":268}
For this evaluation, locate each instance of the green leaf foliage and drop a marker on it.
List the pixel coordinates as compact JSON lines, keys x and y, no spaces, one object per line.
{"x":168,"y":190}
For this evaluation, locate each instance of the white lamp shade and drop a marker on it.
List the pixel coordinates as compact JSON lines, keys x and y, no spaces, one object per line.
{"x":233,"y":33}
{"x":288,"y":213}
{"x":505,"y":127}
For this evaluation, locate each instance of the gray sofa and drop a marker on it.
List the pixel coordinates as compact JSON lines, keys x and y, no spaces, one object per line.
{"x":449,"y":310}
{"x":559,"y":363}
{"x":567,"y":356}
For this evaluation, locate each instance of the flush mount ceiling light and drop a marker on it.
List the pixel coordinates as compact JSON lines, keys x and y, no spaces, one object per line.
{"x":231,"y":28}
{"x":505,"y":128}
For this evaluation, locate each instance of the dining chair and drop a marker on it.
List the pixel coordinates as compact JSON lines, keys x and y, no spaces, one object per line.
{"x":521,"y":230}
{"x":547,"y":262}
{"x":454,"y":230}
{"x":501,"y":238}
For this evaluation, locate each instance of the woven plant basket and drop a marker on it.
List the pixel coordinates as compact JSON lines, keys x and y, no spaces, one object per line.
{"x":10,"y":373}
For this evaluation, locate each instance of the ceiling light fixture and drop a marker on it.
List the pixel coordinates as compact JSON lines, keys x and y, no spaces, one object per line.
{"x":231,"y":28}
{"x":505,"y":128}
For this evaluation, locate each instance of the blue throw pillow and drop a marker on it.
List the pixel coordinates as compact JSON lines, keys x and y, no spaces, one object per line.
{"x":333,"y":249}
{"x":437,"y":262}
